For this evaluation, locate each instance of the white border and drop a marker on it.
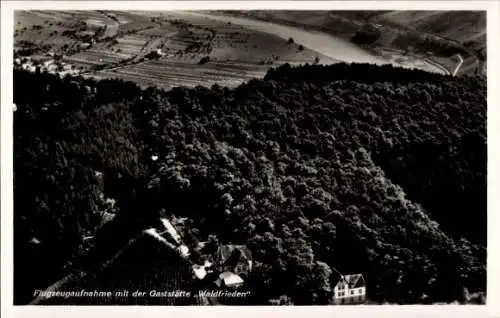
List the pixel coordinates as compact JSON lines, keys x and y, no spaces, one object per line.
{"x":493,"y":274}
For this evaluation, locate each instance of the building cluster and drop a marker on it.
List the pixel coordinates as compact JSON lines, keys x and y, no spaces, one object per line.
{"x":226,"y":266}
{"x":51,"y":66}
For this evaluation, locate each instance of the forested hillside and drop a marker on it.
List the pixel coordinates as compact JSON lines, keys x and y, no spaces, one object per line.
{"x":357,"y":168}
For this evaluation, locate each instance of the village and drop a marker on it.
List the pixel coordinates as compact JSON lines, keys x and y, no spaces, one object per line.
{"x":50,"y":64}
{"x":55,"y":64}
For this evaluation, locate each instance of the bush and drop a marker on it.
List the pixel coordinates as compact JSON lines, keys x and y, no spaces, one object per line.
{"x":204,"y":60}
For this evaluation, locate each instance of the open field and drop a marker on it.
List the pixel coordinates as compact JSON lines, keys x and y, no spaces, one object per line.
{"x":35,"y":29}
{"x":129,"y":23}
{"x":459,"y":26}
{"x":46,"y":24}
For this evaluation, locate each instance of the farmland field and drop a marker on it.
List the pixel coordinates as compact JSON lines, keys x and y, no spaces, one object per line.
{"x":129,"y":45}
{"x":235,"y":54}
{"x":169,"y":73}
{"x":96,"y":57}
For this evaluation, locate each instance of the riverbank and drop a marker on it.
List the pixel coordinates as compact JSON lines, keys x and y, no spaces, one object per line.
{"x":419,"y":61}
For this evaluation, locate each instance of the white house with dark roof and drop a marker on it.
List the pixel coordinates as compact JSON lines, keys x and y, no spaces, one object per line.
{"x":349,"y":289}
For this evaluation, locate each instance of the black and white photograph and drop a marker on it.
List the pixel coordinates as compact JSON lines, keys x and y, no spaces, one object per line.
{"x":249,"y":157}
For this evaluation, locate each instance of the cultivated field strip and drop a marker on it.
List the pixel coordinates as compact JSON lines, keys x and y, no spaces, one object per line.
{"x":168,"y":74}
{"x":130,"y":45}
{"x":96,"y":57}
{"x":52,"y":15}
{"x":163,"y":31}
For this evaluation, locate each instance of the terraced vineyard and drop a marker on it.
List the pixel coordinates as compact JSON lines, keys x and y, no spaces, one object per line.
{"x":169,"y":73}
{"x":92,"y":57}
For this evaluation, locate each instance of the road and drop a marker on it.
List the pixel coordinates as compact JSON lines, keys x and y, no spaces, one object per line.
{"x":460,"y":62}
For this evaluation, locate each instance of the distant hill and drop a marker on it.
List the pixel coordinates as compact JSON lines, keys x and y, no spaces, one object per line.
{"x":462,"y":26}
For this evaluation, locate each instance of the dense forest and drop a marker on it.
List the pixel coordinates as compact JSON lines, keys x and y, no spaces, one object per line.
{"x":355,"y":168}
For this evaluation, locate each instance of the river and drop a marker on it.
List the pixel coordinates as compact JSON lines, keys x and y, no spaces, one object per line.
{"x":326,"y":44}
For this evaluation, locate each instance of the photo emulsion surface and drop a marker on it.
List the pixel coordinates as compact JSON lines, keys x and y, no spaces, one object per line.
{"x":249,"y":157}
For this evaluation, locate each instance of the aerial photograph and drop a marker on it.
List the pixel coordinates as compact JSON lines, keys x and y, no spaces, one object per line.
{"x":260,"y":157}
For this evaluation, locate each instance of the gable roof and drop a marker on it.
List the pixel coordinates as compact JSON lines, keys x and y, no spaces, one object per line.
{"x":352,"y":280}
{"x":230,"y":279}
{"x":226,"y":251}
{"x":355,"y":280}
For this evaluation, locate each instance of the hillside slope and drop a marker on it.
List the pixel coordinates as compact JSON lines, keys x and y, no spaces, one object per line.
{"x":442,"y":34}
{"x":462,"y":26}
{"x":313,"y":168}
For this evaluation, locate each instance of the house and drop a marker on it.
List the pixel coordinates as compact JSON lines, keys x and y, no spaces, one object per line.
{"x":48,"y":63}
{"x":201,"y":271}
{"x":349,"y":289}
{"x":183,"y":251}
{"x":179,"y":220}
{"x":159,"y":52}
{"x":29,"y":67}
{"x":228,"y":279}
{"x":52,"y":68}
{"x":85,"y":45}
{"x":234,"y":258}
